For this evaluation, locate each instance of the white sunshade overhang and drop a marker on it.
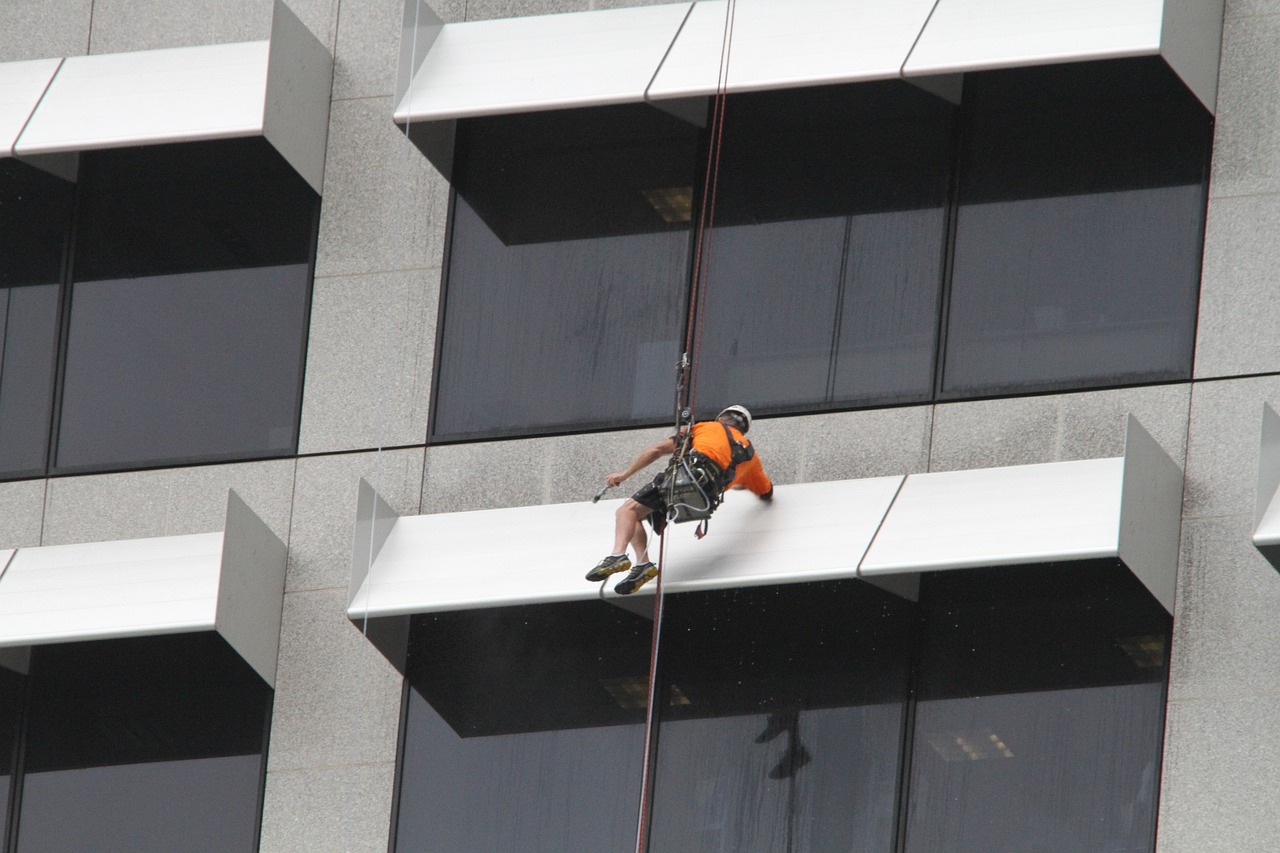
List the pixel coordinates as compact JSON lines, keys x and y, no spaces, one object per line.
{"x":777,"y":45}
{"x":1266,"y":518}
{"x":22,"y":84}
{"x":1126,"y":507}
{"x":277,"y":89}
{"x":543,"y":62}
{"x":230,"y":582}
{"x":980,"y":35}
{"x":885,"y":530}
{"x":667,"y":54}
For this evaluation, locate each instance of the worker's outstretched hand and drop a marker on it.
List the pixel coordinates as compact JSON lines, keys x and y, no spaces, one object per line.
{"x":616,"y":479}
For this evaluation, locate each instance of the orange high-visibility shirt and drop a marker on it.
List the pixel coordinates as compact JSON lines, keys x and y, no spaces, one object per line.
{"x":709,"y":439}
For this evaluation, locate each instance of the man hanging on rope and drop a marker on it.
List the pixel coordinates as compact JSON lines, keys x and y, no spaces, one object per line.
{"x":719,"y":457}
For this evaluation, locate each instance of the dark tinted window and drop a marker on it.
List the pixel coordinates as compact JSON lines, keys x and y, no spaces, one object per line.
{"x":785,"y":727}
{"x":824,"y":268}
{"x":1040,"y":711}
{"x":1013,"y":708}
{"x":10,"y":706}
{"x":188,"y":308}
{"x":35,"y":215}
{"x":568,"y":263}
{"x":148,"y":745}
{"x":1079,"y":229}
{"x":524,"y":730}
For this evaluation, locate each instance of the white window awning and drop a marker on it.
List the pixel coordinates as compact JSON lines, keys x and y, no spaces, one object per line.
{"x":543,"y":62}
{"x":1266,"y":517}
{"x":21,"y":86}
{"x":230,"y":582}
{"x":667,"y":54}
{"x":778,"y":45}
{"x":278,"y":89}
{"x":1127,"y":507}
{"x":885,"y":530}
{"x":979,"y":35}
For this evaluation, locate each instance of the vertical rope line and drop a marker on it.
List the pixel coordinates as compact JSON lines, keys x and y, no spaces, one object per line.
{"x":693,"y":338}
{"x":698,"y":298}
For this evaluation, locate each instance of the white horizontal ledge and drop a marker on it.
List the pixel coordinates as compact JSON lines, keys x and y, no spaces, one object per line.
{"x":538,"y":554}
{"x":21,"y":86}
{"x":777,"y":45}
{"x":667,"y":54}
{"x":230,"y":582}
{"x":278,"y":89}
{"x":981,"y":35}
{"x":1125,"y":507}
{"x":541,"y":62}
{"x":878,"y":529}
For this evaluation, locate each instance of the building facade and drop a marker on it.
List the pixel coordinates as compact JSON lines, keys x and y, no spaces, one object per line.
{"x":372,"y":375}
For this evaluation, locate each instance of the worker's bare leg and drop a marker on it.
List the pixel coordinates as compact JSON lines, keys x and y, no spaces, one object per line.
{"x":629,"y":530}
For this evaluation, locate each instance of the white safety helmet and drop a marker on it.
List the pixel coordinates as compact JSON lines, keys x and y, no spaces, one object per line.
{"x":740,"y":414}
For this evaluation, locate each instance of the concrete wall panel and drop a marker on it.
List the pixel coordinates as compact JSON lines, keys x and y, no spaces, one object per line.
{"x":165,"y":502}
{"x":1056,"y":428}
{"x":21,"y":513}
{"x":1220,"y":777}
{"x":122,"y":26}
{"x":384,"y":204}
{"x":1226,"y":638}
{"x":1223,"y":446}
{"x":328,"y":810}
{"x":47,"y":28}
{"x":1239,"y":330}
{"x":369,"y":357}
{"x":324,"y":510}
{"x":337,"y":698}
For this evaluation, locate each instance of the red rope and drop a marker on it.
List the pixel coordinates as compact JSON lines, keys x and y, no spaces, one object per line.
{"x":693,"y":343}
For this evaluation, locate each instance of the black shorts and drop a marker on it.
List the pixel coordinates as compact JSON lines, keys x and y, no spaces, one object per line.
{"x":653,"y":496}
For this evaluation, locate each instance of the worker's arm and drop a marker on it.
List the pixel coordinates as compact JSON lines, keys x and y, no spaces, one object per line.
{"x":646,"y":458}
{"x":751,"y":475}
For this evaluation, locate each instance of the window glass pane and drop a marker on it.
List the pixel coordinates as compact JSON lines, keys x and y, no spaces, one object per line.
{"x":784,"y":726}
{"x":189,"y":307}
{"x":824,"y":268}
{"x":35,"y":216}
{"x":1078,"y":236}
{"x":1040,"y":711}
{"x":153,"y":744}
{"x":10,"y":699}
{"x":568,"y":263}
{"x":524,"y":730}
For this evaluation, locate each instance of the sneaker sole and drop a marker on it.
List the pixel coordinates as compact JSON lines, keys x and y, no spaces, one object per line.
{"x":601,"y":574}
{"x":632,"y":586}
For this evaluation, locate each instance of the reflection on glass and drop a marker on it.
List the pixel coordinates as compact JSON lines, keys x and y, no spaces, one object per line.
{"x":163,"y":806}
{"x":1040,"y":713}
{"x":565,"y":301}
{"x":825,"y":265}
{"x":35,"y":215}
{"x":148,"y":745}
{"x":524,"y":730}
{"x":174,"y":368}
{"x":1079,"y":229}
{"x":188,"y":310}
{"x":788,"y":732}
